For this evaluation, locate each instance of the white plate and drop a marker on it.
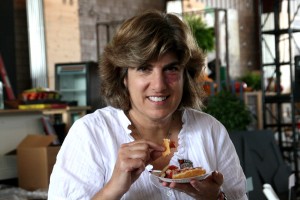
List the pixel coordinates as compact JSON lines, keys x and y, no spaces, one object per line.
{"x":183,"y":180}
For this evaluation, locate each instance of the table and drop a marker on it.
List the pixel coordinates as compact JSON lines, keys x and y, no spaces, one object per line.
{"x":69,"y":114}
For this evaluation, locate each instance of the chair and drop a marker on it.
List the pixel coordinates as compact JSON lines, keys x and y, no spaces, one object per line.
{"x":261,"y":159}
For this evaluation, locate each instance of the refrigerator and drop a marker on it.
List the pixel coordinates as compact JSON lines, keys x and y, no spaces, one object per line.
{"x":79,"y":84}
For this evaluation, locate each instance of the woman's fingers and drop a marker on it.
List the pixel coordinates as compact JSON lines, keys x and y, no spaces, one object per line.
{"x":218,"y":177}
{"x":203,"y":189}
{"x":142,"y":149}
{"x":212,"y":182}
{"x":132,"y":159}
{"x":149,"y":144}
{"x":139,"y":153}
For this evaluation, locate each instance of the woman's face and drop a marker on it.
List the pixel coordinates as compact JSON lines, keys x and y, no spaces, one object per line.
{"x":156,"y":88}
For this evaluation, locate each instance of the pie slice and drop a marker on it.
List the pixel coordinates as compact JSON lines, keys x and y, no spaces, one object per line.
{"x":173,"y":172}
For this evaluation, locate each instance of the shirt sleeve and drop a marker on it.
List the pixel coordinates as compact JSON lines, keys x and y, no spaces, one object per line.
{"x":78,"y":172}
{"x":228,"y":164}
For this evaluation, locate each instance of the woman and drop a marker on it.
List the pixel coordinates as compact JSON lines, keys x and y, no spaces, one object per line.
{"x":149,"y":80}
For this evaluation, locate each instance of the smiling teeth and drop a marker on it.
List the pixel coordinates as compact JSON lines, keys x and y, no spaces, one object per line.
{"x":157,"y":99}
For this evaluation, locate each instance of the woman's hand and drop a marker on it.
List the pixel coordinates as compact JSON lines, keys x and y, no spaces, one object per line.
{"x":207,"y":189}
{"x":132,"y":159}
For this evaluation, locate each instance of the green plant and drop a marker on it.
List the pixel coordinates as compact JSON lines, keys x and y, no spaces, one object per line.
{"x":203,"y":34}
{"x":231,"y":111}
{"x":252,"y":79}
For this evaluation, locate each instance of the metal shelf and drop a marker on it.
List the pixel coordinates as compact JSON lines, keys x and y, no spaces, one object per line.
{"x":281,"y":98}
{"x":273,"y":48}
{"x":274,"y":64}
{"x":281,"y":31}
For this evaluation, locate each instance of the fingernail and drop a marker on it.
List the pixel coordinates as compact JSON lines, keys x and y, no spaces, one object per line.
{"x":216,"y":172}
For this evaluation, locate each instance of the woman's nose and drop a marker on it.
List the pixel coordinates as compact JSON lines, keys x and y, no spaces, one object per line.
{"x":159,"y":81}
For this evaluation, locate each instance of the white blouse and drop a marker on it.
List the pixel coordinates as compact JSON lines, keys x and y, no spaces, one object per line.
{"x":87,"y":157}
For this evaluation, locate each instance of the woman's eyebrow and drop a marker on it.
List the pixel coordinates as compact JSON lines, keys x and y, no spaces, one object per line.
{"x":172,"y":63}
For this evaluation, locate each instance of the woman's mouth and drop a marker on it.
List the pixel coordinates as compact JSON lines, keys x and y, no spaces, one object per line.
{"x":157,"y":99}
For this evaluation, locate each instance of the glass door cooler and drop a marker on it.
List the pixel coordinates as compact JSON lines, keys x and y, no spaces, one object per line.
{"x":79,"y":84}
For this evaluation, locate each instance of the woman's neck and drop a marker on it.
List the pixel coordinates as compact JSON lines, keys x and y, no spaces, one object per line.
{"x":150,"y":129}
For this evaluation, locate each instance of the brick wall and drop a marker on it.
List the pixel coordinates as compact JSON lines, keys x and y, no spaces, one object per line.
{"x":70,"y":27}
{"x":244,"y":49}
{"x":98,"y":11}
{"x":249,"y":36}
{"x":62,"y":34}
{"x":71,"y":31}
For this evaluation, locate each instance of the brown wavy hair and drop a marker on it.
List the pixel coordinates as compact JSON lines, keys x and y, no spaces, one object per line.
{"x":142,"y":38}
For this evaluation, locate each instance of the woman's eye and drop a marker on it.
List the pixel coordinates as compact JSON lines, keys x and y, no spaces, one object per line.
{"x":172,"y":68}
{"x":143,"y":68}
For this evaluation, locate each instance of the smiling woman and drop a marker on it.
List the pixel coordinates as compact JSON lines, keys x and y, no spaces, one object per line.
{"x":155,"y":90}
{"x":142,"y":40}
{"x":149,"y":79}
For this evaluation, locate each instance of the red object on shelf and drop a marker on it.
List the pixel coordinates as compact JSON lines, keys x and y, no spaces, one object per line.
{"x":239,"y":86}
{"x":5,"y":79}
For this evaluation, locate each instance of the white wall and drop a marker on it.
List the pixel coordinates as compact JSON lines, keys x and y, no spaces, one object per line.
{"x":15,"y":125}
